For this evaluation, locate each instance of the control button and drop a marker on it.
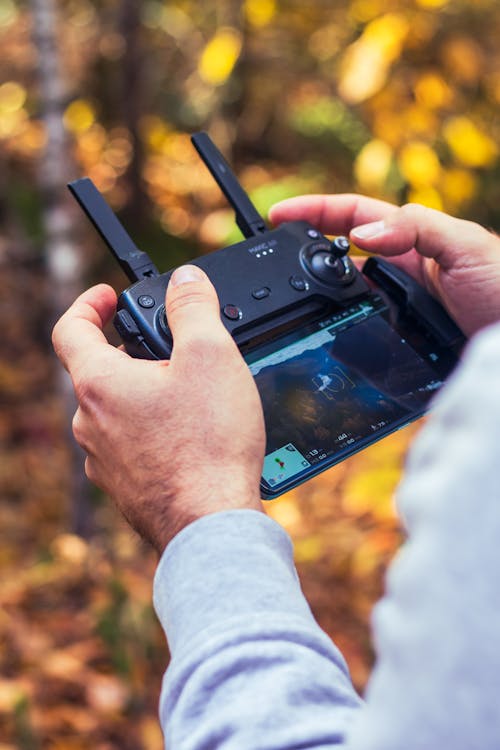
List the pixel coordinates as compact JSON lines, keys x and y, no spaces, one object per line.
{"x":299,"y":283}
{"x":313,"y":234}
{"x":126,"y":326}
{"x":146,"y":300}
{"x":261,"y":293}
{"x":232,"y":312}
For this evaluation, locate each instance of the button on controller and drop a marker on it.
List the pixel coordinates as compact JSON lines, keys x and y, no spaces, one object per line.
{"x":232,"y":312}
{"x":261,"y":293}
{"x":146,"y":300}
{"x":299,"y":283}
{"x":127,"y":327}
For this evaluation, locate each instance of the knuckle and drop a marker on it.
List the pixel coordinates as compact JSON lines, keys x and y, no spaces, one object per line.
{"x":61,"y":347}
{"x":79,"y":431}
{"x":91,"y":383}
{"x":76,"y":426}
{"x":90,"y":470}
{"x":187,"y":298}
{"x":85,"y":392}
{"x":414,"y":209}
{"x":478,"y":229}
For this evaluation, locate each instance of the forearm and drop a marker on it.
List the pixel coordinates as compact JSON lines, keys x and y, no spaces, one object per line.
{"x":250,"y":666}
{"x":437,"y":630}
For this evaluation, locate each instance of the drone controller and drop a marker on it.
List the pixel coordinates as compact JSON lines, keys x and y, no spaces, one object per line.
{"x":265,"y":284}
{"x":273,"y":285}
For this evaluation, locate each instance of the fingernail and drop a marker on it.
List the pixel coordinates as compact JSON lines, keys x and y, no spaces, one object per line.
{"x":185,"y":274}
{"x":367,"y":231}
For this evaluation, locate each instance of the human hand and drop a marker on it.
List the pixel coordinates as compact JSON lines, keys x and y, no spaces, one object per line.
{"x":169,"y":441}
{"x":455,"y":260}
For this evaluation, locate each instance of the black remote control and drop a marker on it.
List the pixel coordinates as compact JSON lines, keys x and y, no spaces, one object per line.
{"x":264,"y":282}
{"x":273,"y":286}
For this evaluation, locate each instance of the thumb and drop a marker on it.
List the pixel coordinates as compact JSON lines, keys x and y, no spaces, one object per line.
{"x":193,"y":310}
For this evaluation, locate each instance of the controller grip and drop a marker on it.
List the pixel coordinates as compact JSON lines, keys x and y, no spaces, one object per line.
{"x":414,"y":299}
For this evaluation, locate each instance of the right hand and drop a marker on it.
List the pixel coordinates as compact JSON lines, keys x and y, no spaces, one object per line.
{"x":455,"y":260}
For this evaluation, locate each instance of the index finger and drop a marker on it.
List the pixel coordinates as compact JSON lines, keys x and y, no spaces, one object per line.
{"x":78,"y":335}
{"x":332,"y":214}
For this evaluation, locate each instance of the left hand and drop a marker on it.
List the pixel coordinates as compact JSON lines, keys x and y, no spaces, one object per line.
{"x":169,"y":441}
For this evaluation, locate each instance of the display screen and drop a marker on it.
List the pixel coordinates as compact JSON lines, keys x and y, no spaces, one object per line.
{"x":330,"y":388}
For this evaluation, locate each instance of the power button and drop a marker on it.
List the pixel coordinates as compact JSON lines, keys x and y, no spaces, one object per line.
{"x":232,"y":312}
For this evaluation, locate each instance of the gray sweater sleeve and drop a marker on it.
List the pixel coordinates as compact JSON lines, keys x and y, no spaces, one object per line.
{"x":250,"y":667}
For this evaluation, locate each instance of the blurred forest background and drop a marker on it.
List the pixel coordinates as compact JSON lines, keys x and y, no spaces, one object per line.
{"x":395,"y":98}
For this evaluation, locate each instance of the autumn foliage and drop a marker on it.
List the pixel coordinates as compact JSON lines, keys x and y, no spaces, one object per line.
{"x":397,"y":99}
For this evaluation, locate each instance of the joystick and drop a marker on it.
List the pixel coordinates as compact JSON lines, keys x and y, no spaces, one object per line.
{"x":337,"y":260}
{"x":340,"y":246}
{"x":329,"y":262}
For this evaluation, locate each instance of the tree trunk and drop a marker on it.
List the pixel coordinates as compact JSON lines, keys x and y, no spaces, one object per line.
{"x":132,"y":101}
{"x":62,"y":254}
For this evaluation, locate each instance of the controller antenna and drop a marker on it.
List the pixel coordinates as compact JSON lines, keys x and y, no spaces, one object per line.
{"x":248,"y":219}
{"x":136,"y":264}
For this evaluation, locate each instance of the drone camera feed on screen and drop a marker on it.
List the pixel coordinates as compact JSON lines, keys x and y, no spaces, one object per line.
{"x":345,"y":381}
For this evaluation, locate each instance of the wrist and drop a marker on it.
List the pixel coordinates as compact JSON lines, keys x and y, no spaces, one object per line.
{"x":188,"y":506}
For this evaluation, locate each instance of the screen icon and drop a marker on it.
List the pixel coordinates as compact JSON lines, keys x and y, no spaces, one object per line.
{"x":282,"y":464}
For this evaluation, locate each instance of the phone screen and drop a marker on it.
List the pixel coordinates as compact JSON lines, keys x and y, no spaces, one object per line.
{"x":339,"y":384}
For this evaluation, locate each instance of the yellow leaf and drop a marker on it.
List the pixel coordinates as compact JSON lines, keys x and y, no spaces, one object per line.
{"x":12,"y":124}
{"x":286,"y":512}
{"x":367,"y":61}
{"x":308,"y":549}
{"x":259,"y":13}
{"x":11,"y":693}
{"x":372,"y":164}
{"x":364,"y":10}
{"x":419,"y":164}
{"x":470,"y":145}
{"x":372,"y":491}
{"x":389,"y":127}
{"x":458,"y":186}
{"x":432,"y":3}
{"x":432,"y":91}
{"x":155,"y":131}
{"x":219,"y":56}
{"x":426,"y":196}
{"x":12,"y":97}
{"x":79,"y":116}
